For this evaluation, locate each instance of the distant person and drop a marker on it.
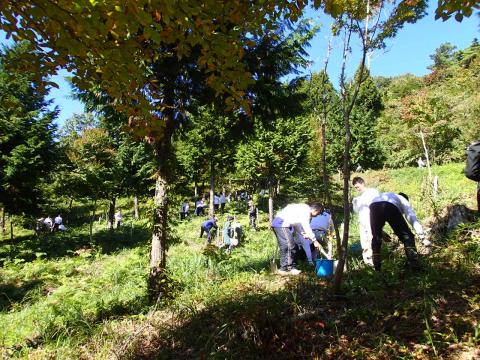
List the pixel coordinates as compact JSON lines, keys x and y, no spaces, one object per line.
{"x":391,"y":208}
{"x":361,"y":205}
{"x":216,"y":202}
{"x":62,"y":227}
{"x":184,"y":211}
{"x":420,"y":163}
{"x":57,"y":222}
{"x":48,"y":223}
{"x":223,"y":201}
{"x":359,"y":169}
{"x":298,"y":217}
{"x":252,"y":214}
{"x":207,"y":226}
{"x":230,"y":238}
{"x":118,"y":219}
{"x":199,"y":206}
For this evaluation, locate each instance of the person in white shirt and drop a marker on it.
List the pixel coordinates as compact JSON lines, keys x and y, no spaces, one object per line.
{"x":223,"y":201}
{"x":361,"y":205}
{"x":48,"y":223}
{"x":118,"y":219}
{"x":57,"y":222}
{"x":391,"y":208}
{"x":199,"y":205}
{"x":216,"y":202}
{"x":184,"y":211}
{"x":298,"y":217}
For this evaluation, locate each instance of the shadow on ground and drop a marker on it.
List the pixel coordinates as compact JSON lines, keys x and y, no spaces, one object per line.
{"x":394,"y":315}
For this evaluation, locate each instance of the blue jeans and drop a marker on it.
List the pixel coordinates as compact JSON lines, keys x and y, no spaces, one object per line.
{"x":287,"y":248}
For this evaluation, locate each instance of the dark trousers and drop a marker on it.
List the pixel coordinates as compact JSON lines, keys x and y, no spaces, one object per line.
{"x":382,"y":212}
{"x":199,"y":211}
{"x":478,"y":196}
{"x":222,"y":207}
{"x":253,"y":221}
{"x":208,"y":232}
{"x":287,"y":247}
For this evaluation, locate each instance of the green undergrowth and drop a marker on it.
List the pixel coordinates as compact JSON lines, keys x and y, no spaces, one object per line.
{"x":67,"y":296}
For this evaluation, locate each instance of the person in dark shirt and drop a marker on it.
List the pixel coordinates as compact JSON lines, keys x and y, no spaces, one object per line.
{"x":252,"y":214}
{"x":207,"y":226}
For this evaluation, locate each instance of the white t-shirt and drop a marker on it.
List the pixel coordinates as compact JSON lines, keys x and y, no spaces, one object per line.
{"x":361,"y":205}
{"x":404,"y":206}
{"x":58,"y":220}
{"x":297,"y":216}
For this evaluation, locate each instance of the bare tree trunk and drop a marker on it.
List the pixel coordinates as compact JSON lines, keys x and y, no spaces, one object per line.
{"x":347,"y":106}
{"x":270,"y":201}
{"x":70,"y":205}
{"x":111,"y":213}
{"x":3,"y":222}
{"x":163,"y":151}
{"x":135,"y":207}
{"x":92,"y":218}
{"x":196,"y":190}
{"x":211,"y":210}
{"x":11,"y":229}
{"x":159,"y":233}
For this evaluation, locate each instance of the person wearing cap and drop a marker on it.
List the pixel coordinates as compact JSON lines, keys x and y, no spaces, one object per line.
{"x":393,"y":208}
{"x":298,"y":217}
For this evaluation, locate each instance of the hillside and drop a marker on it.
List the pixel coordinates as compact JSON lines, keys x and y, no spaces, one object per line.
{"x":63,"y":296}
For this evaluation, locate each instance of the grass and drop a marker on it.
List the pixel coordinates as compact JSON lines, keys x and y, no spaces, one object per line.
{"x":64,"y":296}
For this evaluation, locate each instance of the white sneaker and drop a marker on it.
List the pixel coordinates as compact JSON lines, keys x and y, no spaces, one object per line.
{"x":426,"y":242}
{"x":294,"y":272}
{"x":283,"y":272}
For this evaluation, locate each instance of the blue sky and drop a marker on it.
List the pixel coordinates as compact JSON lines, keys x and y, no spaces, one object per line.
{"x":407,"y":53}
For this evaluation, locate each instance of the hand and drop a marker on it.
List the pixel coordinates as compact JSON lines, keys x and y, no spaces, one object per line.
{"x":316,"y":244}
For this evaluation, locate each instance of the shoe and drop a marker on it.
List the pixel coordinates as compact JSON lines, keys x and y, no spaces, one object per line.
{"x":283,"y":272}
{"x":294,"y":272}
{"x":426,"y":243}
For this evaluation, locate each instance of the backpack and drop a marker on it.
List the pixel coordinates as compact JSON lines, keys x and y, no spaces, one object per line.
{"x":472,"y":170}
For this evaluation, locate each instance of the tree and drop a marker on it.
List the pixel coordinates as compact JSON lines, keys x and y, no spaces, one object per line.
{"x":27,"y":146}
{"x":209,"y":143}
{"x":461,"y":9}
{"x":92,"y":156}
{"x":274,"y":152}
{"x":357,"y":19}
{"x":443,"y":56}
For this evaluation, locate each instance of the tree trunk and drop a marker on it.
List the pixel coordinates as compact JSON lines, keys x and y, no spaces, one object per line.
{"x":135,"y":207}
{"x":3,"y":222}
{"x":70,"y":205}
{"x":196,"y":190}
{"x":11,"y":229}
{"x":111,"y":213}
{"x":92,"y":218}
{"x":157,"y":281}
{"x":270,"y":201}
{"x":211,"y":210}
{"x":157,"y":255}
{"x":348,"y":103}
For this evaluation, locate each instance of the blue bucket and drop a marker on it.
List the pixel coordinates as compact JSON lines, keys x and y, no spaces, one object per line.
{"x":324,"y":268}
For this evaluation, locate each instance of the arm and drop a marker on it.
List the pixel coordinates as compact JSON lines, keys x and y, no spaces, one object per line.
{"x":411,"y":216}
